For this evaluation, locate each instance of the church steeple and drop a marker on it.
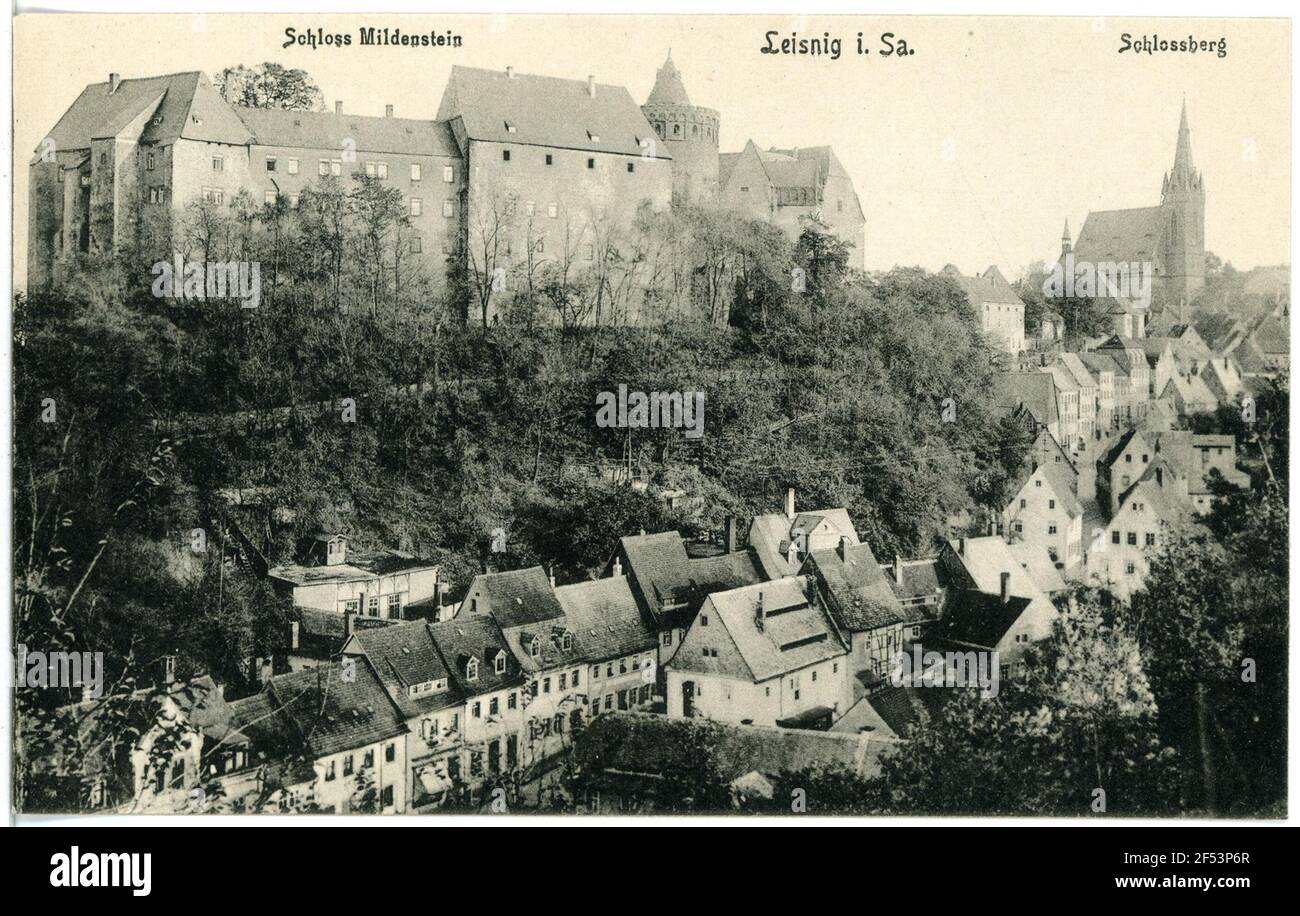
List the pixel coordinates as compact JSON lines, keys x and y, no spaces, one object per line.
{"x":1066,"y":245}
{"x":1183,"y":174}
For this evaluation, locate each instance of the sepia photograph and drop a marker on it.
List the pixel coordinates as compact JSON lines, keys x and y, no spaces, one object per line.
{"x":593,"y":416}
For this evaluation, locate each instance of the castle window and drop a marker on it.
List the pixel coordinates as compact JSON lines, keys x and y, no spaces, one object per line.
{"x":417,"y":206}
{"x":293,"y":166}
{"x":505,"y":155}
{"x":270,"y":163}
{"x":591,"y":162}
{"x":677,"y":129}
{"x":382,"y":168}
{"x":631,"y":166}
{"x":324,"y":167}
{"x":148,"y":164}
{"x":336,"y":167}
{"x":549,"y":159}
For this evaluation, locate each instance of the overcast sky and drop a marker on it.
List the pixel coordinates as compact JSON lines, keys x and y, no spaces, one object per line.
{"x":972,"y":150}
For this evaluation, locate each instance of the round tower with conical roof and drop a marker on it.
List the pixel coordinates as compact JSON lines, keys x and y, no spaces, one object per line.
{"x":687,"y":132}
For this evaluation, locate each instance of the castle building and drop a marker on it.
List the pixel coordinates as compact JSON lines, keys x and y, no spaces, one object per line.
{"x":785,"y":186}
{"x":689,"y":133}
{"x":124,"y":163}
{"x":1000,"y":310}
{"x":556,"y":171}
{"x":1169,"y":237}
{"x":516,"y":175}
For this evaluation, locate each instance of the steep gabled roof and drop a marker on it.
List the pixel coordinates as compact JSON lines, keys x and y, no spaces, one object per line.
{"x":977,"y":618}
{"x":1119,"y":235}
{"x":858,"y":594}
{"x":179,"y":105}
{"x":404,"y":655}
{"x":334,"y":713}
{"x":517,"y":598}
{"x":546,"y":111}
{"x":795,"y":633}
{"x":1030,"y":391}
{"x":475,"y":636}
{"x":605,"y":617}
{"x":329,"y":131}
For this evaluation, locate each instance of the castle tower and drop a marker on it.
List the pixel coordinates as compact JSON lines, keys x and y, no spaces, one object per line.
{"x":1182,"y":206}
{"x":688,"y":133}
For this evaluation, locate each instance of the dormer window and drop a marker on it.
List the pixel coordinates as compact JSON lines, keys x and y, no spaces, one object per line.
{"x":535,"y":648}
{"x":567,"y":641}
{"x":500,"y":664}
{"x":510,"y":128}
{"x":471,"y":670}
{"x":594,"y":138}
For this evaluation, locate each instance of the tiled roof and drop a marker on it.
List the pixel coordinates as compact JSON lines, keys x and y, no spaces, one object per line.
{"x":477,"y":636}
{"x":922,"y":577}
{"x":1035,"y":560}
{"x":187,"y":106}
{"x":669,"y":88}
{"x":899,"y":707}
{"x":333,"y":714}
{"x":977,"y":618}
{"x":631,"y":744}
{"x":517,"y":598}
{"x":986,"y":558}
{"x":606,"y":617}
{"x":329,"y":131}
{"x":546,"y":111}
{"x":1119,"y":235}
{"x":795,"y":632}
{"x":858,"y":595}
{"x":990,"y":287}
{"x":1032,"y":391}
{"x":405,"y":655}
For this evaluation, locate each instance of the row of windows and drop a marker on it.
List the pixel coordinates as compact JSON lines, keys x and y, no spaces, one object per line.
{"x":367,"y":760}
{"x":1149,"y":539}
{"x":550,"y":159}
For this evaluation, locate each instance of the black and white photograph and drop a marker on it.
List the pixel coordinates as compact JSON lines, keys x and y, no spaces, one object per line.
{"x":599,"y":416}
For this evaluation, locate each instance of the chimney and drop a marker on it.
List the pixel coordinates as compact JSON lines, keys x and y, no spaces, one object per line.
{"x":114,"y":80}
{"x":550,"y":575}
{"x":349,"y":623}
{"x":266,"y":671}
{"x":618,"y":566}
{"x":1160,"y":477}
{"x":844,"y":548}
{"x":789,"y":503}
{"x":338,"y":108}
{"x":388,"y":111}
{"x":961,"y":547}
{"x":591,"y":86}
{"x":758,"y":613}
{"x":898,"y":569}
{"x":510,"y":72}
{"x":293,"y":634}
{"x":732,"y":534}
{"x":1006,"y":587}
{"x":169,"y":669}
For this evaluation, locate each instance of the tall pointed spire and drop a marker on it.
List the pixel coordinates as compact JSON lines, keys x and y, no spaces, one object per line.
{"x":1065,"y":238}
{"x":1183,"y":155}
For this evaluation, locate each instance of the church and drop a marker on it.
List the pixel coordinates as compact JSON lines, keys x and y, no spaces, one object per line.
{"x":1169,"y":237}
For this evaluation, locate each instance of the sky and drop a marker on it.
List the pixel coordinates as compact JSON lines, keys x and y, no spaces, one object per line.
{"x":972,"y":150}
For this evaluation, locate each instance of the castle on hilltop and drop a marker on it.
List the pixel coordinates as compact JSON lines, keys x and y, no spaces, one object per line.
{"x":556,"y":167}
